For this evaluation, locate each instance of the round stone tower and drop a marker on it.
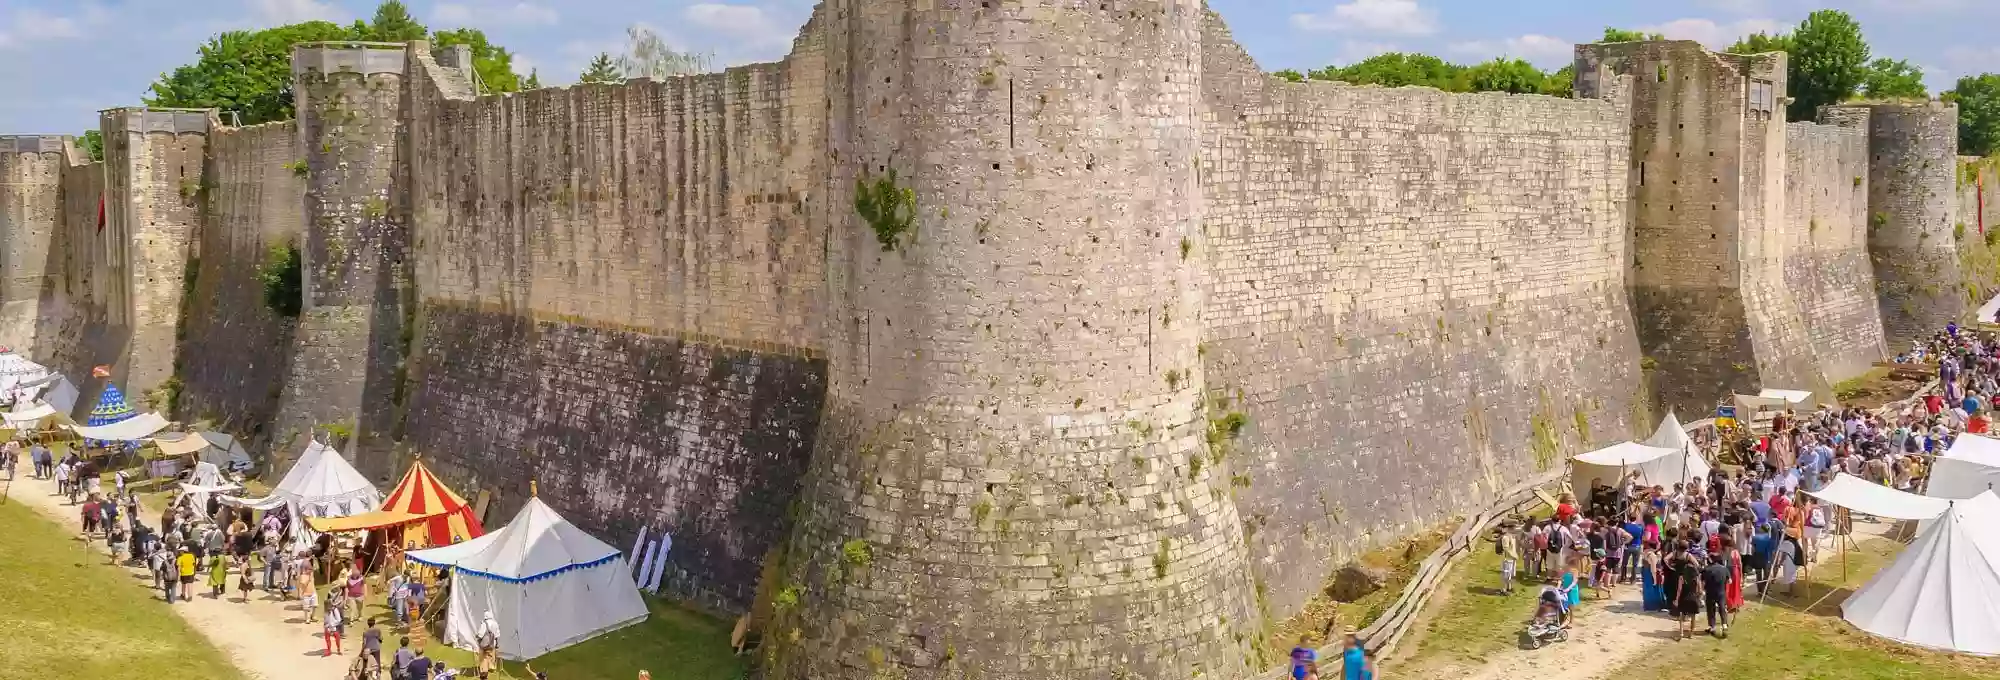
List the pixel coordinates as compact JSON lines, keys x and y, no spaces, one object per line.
{"x":348,"y":341}
{"x":1912,"y":193}
{"x":1014,"y":478}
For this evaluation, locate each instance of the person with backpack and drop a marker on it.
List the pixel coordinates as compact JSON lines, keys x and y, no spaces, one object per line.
{"x":489,"y":643}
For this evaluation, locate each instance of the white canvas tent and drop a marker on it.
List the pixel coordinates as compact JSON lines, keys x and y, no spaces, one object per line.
{"x":16,"y":370}
{"x":1941,"y":591}
{"x":1666,"y":457}
{"x":547,"y":584}
{"x":209,"y":447}
{"x":27,"y":415}
{"x":1967,"y":469}
{"x":206,"y":479}
{"x":1869,"y":498}
{"x":320,"y":484}
{"x":131,"y":429}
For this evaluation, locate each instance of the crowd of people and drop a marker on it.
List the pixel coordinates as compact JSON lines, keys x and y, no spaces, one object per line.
{"x":1695,"y":546}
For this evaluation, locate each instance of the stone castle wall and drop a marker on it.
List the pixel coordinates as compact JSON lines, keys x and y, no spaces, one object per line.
{"x":1007,"y":444}
{"x":235,"y":349}
{"x":1415,"y":298}
{"x":1912,"y":206}
{"x":1825,"y":241}
{"x":620,"y":291}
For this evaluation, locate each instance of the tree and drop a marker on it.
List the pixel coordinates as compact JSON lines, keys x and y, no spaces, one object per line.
{"x":92,"y":143}
{"x":1760,"y":42}
{"x":648,"y":56}
{"x":1978,"y":99}
{"x":1893,"y":79}
{"x":600,"y":70}
{"x":1612,"y":34}
{"x":1562,"y":83}
{"x":1397,"y":69}
{"x":1829,"y":61}
{"x":1506,"y":75}
{"x":534,"y":81}
{"x":392,"y":23}
{"x":249,"y":72}
{"x":494,"y":64}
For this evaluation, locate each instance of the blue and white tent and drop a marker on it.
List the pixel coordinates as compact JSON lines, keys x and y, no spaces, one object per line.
{"x":545,"y":583}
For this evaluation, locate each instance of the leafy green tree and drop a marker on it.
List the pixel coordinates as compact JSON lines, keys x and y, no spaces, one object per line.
{"x":1829,"y":61}
{"x":1613,"y":34}
{"x":1893,"y":79}
{"x":1287,"y":74}
{"x":1562,"y":83}
{"x":1506,"y":75}
{"x":494,"y":64}
{"x":92,"y":143}
{"x":1397,"y":69}
{"x":1759,"y":43}
{"x":1978,"y":99}
{"x":249,"y":72}
{"x":392,"y":23}
{"x":534,"y":80}
{"x":603,"y":70}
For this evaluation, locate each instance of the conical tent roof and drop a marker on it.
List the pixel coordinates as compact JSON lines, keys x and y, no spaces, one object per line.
{"x":111,"y":407}
{"x":538,"y":544}
{"x":430,"y":511}
{"x":16,"y":369}
{"x":1943,"y":591}
{"x":323,"y":484}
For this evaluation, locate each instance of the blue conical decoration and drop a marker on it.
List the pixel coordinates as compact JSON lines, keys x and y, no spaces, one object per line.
{"x":111,"y":407}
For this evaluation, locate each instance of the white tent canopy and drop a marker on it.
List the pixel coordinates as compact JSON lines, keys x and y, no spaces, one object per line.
{"x":547,"y":584}
{"x":1667,"y":457}
{"x":1967,"y":469}
{"x":1787,"y":396}
{"x":204,"y":480}
{"x":1939,"y":593}
{"x":320,"y":484}
{"x":29,"y":413}
{"x":16,"y":369}
{"x":130,"y":429}
{"x":1869,"y":498}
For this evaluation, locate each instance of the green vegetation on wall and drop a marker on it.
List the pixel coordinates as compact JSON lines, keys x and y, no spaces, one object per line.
{"x":889,"y":209}
{"x":280,"y":272}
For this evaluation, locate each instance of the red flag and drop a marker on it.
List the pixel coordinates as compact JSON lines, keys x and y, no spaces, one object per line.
{"x":101,"y":371}
{"x":100,"y":213}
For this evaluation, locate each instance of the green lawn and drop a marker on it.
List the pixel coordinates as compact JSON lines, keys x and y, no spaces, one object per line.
{"x":66,"y":616}
{"x":1777,"y":642}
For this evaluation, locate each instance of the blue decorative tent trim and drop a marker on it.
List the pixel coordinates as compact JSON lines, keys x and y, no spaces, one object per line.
{"x":521,"y":579}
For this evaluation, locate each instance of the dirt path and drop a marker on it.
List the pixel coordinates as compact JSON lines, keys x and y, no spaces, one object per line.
{"x":264,"y":637}
{"x":1610,"y":635}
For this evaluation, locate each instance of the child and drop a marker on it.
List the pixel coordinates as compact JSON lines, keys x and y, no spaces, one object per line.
{"x":331,"y":631}
{"x":1538,"y":549}
{"x":243,"y":582}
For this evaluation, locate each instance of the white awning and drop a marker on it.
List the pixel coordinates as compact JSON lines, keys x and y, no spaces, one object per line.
{"x":180,"y":444}
{"x":130,"y":429}
{"x":30,"y":414}
{"x":1788,"y":396}
{"x":1967,"y":469}
{"x":1974,"y":448}
{"x":1869,"y":498}
{"x":1625,"y":453}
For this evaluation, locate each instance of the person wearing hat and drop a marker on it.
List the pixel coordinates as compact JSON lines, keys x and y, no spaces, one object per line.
{"x":1507,"y":543}
{"x":1353,"y":658}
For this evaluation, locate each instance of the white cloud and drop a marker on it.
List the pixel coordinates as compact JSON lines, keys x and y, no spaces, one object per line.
{"x":754,"y":27}
{"x":494,"y":14}
{"x":1538,"y":49}
{"x":1714,"y":35}
{"x":1354,"y":51}
{"x":1737,"y":6}
{"x":1393,"y":17}
{"x":281,"y":12}
{"x":28,"y":26}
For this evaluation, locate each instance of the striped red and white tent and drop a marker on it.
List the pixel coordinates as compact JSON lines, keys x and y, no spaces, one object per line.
{"x":426,"y":510}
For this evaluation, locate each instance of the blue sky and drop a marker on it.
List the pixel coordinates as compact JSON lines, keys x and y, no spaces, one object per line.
{"x":62,"y":60}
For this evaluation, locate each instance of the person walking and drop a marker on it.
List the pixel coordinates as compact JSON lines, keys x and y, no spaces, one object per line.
{"x":1715,"y":583}
{"x":218,"y":575}
{"x":1684,"y":572}
{"x":399,"y":597}
{"x":1508,"y":544}
{"x":331,"y":629}
{"x":308,"y":589}
{"x":489,"y":643}
{"x":357,"y":591}
{"x":1303,"y":657}
{"x":185,"y":564}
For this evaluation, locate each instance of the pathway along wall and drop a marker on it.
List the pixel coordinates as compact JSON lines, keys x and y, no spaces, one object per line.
{"x":1416,"y":299}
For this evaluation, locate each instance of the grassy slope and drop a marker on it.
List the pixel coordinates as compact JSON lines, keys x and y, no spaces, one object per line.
{"x":65,"y":615}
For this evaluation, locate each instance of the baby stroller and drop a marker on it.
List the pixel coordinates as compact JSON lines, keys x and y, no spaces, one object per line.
{"x":1551,"y":621}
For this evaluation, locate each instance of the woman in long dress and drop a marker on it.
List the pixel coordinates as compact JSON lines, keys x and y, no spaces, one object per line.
{"x":1649,"y":575}
{"x":1733,"y":594}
